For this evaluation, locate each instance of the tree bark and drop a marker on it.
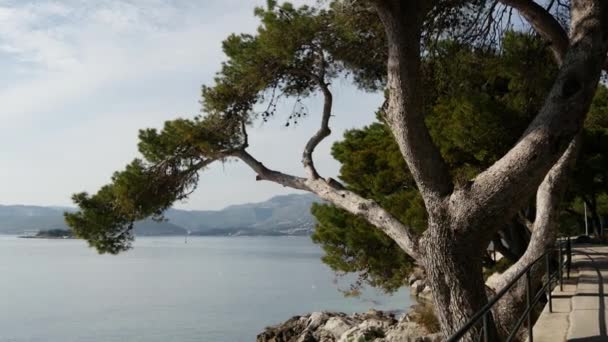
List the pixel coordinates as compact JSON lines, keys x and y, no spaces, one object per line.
{"x":548,"y":199}
{"x":552,"y":189}
{"x":545,"y":25}
{"x":403,"y":25}
{"x":463,"y":221}
{"x":454,"y":272}
{"x":518,"y":173}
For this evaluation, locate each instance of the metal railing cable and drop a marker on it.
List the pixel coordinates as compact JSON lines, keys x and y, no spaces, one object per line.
{"x":484,"y":314}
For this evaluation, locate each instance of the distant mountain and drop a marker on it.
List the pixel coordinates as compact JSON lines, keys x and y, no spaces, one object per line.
{"x":154,"y":228}
{"x":284,"y":215}
{"x":17,"y":219}
{"x":280,"y":215}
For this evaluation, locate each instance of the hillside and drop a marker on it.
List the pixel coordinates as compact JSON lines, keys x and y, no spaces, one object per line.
{"x":289,"y":214}
{"x":280,"y":215}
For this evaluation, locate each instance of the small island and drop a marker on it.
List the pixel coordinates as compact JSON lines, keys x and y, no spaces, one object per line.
{"x":51,"y":234}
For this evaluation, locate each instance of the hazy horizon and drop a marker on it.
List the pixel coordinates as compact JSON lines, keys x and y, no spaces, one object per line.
{"x":218,"y":209}
{"x":82,"y":79}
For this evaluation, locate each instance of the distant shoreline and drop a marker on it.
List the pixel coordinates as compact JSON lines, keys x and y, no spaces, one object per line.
{"x":51,"y":234}
{"x":45,"y":237}
{"x":163,"y":235}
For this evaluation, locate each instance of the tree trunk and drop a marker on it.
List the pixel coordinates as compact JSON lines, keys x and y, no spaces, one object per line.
{"x":454,"y":270}
{"x":544,"y":233}
{"x":463,"y":221}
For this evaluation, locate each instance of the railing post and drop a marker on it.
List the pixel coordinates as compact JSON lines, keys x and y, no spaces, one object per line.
{"x":486,"y":328}
{"x":548,"y":261}
{"x":488,"y":332}
{"x":560,"y":265}
{"x":568,"y":257}
{"x":528,"y":304}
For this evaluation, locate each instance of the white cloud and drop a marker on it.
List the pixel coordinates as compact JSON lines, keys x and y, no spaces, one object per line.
{"x":71,"y":52}
{"x":83,"y":76}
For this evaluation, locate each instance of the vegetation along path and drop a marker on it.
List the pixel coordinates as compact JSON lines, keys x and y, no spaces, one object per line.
{"x":579,"y":311}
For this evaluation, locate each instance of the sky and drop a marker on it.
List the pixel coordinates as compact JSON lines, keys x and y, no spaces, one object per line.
{"x":80,"y":78}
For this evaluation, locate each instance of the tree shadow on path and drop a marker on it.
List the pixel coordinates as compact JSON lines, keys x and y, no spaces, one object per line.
{"x":597,"y":261}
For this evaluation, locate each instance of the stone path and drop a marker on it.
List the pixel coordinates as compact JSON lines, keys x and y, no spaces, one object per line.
{"x":580,"y":310}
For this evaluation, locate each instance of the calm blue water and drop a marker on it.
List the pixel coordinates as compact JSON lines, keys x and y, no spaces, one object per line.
{"x":211,"y":289}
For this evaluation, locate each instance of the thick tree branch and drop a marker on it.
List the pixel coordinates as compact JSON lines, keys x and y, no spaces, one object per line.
{"x":403,"y":24}
{"x":544,"y":233}
{"x":544,"y":24}
{"x":547,"y":214}
{"x":371,"y":211}
{"x":264,"y":173}
{"x":552,"y":188}
{"x":523,"y":168}
{"x":403,"y":235}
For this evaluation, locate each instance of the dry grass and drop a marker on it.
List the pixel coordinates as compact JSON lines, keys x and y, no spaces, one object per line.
{"x":424,"y":314}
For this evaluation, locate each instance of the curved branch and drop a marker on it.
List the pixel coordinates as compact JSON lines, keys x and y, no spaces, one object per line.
{"x":544,"y":233}
{"x":245,"y":135}
{"x":403,"y":21}
{"x":523,"y":168}
{"x":371,"y":211}
{"x":403,"y":235}
{"x":264,"y":173}
{"x":544,"y":24}
{"x":323,"y":132}
{"x":547,"y":213}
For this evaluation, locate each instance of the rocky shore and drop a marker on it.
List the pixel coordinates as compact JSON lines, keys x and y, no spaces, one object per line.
{"x":417,"y":325}
{"x":373,"y":326}
{"x":419,"y":287}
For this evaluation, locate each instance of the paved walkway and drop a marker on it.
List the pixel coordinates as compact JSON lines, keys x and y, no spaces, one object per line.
{"x":579,"y":311}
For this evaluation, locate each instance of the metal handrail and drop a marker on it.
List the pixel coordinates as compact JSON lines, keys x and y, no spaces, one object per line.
{"x":485,"y":312}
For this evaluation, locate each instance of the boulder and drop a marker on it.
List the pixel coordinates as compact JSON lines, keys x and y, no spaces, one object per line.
{"x":372,"y":326}
{"x":417,"y":287}
{"x":426,"y":293}
{"x":337,"y":326}
{"x":290,"y":330}
{"x":316,"y":319}
{"x":361,"y":334}
{"x":406,"y":332}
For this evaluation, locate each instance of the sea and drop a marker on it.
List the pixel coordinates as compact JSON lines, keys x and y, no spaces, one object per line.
{"x":210,"y":289}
